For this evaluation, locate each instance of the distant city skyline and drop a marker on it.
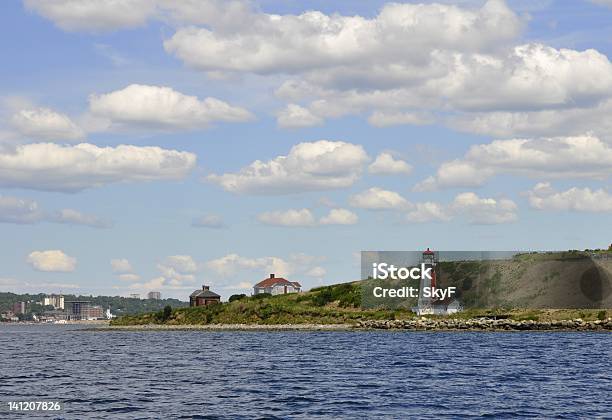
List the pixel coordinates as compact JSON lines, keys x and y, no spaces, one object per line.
{"x":158,"y":146}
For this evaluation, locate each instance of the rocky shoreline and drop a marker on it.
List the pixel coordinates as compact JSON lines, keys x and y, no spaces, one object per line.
{"x":233,"y":327}
{"x":417,"y":324}
{"x":485,"y":324}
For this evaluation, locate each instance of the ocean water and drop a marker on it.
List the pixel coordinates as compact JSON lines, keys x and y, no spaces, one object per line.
{"x":197,"y":374}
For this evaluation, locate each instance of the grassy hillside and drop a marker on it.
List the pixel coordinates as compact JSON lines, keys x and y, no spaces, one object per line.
{"x":324,"y":305}
{"x":336,"y":304}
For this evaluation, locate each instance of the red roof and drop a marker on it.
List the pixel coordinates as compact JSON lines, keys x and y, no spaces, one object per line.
{"x":428,"y":251}
{"x":271,"y":281}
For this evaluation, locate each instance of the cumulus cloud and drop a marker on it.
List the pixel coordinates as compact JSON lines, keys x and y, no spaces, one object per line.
{"x":339,"y":217}
{"x":296,"y":116}
{"x":376,"y":198}
{"x":295,"y":218}
{"x":405,"y":65}
{"x":177,"y":269}
{"x":544,"y":197}
{"x":583,"y":156}
{"x":26,"y":211}
{"x":212,"y":221}
{"x":390,"y":118}
{"x":484,"y":211}
{"x":428,"y":212}
{"x":46,"y":124}
{"x":162,"y":107}
{"x":110,"y":15}
{"x":232,"y":265}
{"x":121,"y":265}
{"x":386,"y":164}
{"x":53,"y":167}
{"x":94,"y":15}
{"x":229,"y":264}
{"x":51,"y":260}
{"x":319,"y":165}
{"x":305,"y":218}
{"x":476,"y":210}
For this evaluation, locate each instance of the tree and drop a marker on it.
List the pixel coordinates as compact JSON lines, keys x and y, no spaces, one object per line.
{"x":167,"y":312}
{"x":237,"y":297}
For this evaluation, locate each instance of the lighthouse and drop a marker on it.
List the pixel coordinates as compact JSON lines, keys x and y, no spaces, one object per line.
{"x":426,"y":304}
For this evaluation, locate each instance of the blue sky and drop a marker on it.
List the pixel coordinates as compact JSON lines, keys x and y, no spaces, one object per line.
{"x":296,"y":134}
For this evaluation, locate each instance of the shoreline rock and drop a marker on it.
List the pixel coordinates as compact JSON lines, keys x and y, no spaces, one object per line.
{"x":485,"y":324}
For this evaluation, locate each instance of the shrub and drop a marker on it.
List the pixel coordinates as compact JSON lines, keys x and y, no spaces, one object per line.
{"x":262,"y":296}
{"x":601,"y":315}
{"x":237,"y":297}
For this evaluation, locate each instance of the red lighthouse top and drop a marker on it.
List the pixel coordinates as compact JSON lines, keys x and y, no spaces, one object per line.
{"x":428,"y":252}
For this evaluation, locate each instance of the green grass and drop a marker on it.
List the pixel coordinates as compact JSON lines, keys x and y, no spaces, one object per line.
{"x":335,"y":304}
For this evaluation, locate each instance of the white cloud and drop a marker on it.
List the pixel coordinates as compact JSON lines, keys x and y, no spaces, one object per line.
{"x":109,"y":15}
{"x":544,"y":197}
{"x":296,"y":116}
{"x":162,"y":107}
{"x":19,"y":210}
{"x":53,"y":167}
{"x":121,"y":265}
{"x":46,"y":124}
{"x":129,"y":277}
{"x":428,"y":212}
{"x":339,"y":217}
{"x":476,"y":210}
{"x":181,"y":263}
{"x":295,"y":218}
{"x":312,"y":40}
{"x":212,"y":221}
{"x":74,"y":217}
{"x":484,"y":211}
{"x":231,"y":263}
{"x":254,"y":269}
{"x":51,"y":260}
{"x":403,"y":65}
{"x":319,"y":165}
{"x":390,"y":118}
{"x":26,"y":211}
{"x":305,"y":218}
{"x":94,"y":15}
{"x":376,"y":198}
{"x":583,"y":156}
{"x":386,"y":164}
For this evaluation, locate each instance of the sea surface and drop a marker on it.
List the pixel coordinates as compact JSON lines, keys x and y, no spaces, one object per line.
{"x":207,"y":374}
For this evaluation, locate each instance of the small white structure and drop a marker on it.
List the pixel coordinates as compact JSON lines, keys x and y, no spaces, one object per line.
{"x":440,"y":308}
{"x":276,"y":286}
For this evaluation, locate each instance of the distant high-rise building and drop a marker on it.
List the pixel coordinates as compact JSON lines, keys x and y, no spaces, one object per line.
{"x":57,"y":301}
{"x":135,"y":296}
{"x":19,"y":308}
{"x":82,"y":310}
{"x":154,"y":295}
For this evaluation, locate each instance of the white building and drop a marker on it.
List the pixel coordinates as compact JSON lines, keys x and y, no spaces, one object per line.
{"x":276,"y":286}
{"x":57,"y":301}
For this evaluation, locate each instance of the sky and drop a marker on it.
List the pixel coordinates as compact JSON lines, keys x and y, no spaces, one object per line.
{"x":152,"y":145}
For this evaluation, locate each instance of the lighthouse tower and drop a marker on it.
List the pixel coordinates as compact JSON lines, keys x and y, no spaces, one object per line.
{"x":426,"y":304}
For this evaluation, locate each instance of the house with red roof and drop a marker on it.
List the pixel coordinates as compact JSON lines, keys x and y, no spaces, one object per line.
{"x":276,"y":286}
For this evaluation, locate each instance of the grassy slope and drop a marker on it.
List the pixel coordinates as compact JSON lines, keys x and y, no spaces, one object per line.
{"x":336,"y":304}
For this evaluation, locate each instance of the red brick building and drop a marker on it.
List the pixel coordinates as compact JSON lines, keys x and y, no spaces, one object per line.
{"x":204,"y":297}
